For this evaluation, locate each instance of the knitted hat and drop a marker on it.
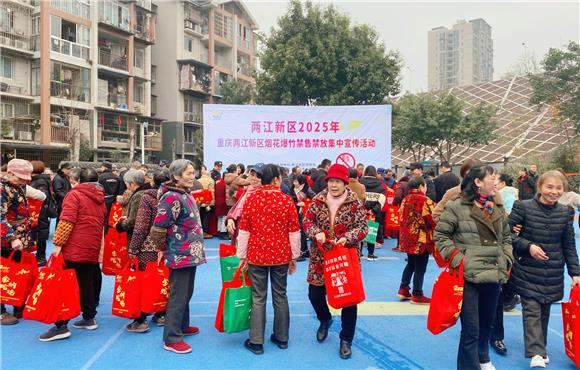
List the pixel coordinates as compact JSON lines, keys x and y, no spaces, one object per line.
{"x":337,"y":171}
{"x":20,"y":168}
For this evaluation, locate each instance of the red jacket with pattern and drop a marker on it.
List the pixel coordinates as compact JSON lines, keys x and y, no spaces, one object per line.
{"x":269,"y":216}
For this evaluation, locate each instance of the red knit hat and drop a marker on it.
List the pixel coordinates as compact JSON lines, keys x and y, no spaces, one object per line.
{"x":337,"y":171}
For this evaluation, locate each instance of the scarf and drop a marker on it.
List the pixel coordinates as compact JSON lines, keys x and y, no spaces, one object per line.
{"x":487,"y":204}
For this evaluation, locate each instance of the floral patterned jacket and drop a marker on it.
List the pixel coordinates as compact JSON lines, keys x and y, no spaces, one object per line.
{"x":417,"y":225}
{"x":177,"y":228}
{"x":349,"y":222}
{"x":15,"y":216}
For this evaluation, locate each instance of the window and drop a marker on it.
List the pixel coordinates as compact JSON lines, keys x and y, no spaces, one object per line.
{"x":6,"y":110}
{"x":188,"y":44}
{"x":6,"y":67}
{"x":36,"y":25}
{"x":6,"y":19}
{"x":139,"y":93}
{"x":139,"y":58}
{"x":55,"y":26}
{"x":36,"y":78}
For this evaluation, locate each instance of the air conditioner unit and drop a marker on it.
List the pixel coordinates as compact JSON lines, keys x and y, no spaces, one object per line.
{"x":25,"y":135}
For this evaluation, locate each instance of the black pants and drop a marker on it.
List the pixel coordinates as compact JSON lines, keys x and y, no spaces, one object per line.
{"x":379,"y":220}
{"x":317,"y":296}
{"x":40,"y":249}
{"x":181,"y":282}
{"x":477,"y":315}
{"x":303,"y":238}
{"x":17,"y":256}
{"x":416,"y":268}
{"x":536,"y":317}
{"x":89,"y":278}
{"x":204,"y":214}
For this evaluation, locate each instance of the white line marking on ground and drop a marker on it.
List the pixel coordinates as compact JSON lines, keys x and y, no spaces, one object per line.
{"x":102,"y":350}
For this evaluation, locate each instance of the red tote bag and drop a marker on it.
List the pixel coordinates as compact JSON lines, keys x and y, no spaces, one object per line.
{"x":342,"y":277}
{"x":155,"y":293}
{"x":71,"y":298}
{"x":34,"y":208}
{"x":115,"y":252}
{"x":571,"y":321}
{"x":127,"y":294}
{"x":17,"y":278}
{"x":237,"y":282}
{"x":115,"y":214}
{"x":45,"y":301}
{"x":446,"y":299}
{"x":227,"y":250}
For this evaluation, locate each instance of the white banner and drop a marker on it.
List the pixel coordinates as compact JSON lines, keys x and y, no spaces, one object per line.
{"x":297,"y":135}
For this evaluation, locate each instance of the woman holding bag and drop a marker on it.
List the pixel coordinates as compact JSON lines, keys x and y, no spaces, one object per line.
{"x":474,"y":223}
{"x":545,"y":243}
{"x":268,"y":245}
{"x":335,"y":216}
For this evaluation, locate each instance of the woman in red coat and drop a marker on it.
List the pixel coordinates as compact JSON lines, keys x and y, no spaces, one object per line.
{"x":269,"y":244}
{"x":78,"y":237}
{"x":220,"y":210}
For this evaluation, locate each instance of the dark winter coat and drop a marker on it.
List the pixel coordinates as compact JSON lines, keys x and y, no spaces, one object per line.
{"x":526,"y":187}
{"x":551,"y":229}
{"x":141,"y":244}
{"x":402,"y":190}
{"x":112,"y":186}
{"x":484,"y":243}
{"x":375,"y":194}
{"x":84,"y":206}
{"x":444,"y":182}
{"x":60,"y":186}
{"x":42,"y":182}
{"x":127,"y":225}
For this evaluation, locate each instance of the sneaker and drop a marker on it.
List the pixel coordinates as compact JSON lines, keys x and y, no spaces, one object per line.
{"x":547,"y":360}
{"x":136,"y":327}
{"x":179,"y":347}
{"x":537,"y":361}
{"x":207,"y":236}
{"x":404,"y":293}
{"x":8,"y":319}
{"x":487,"y":366}
{"x":90,"y":324}
{"x":41,"y":261}
{"x":190,"y":330}
{"x":55,"y":333}
{"x":372,"y":257}
{"x":420,"y":299}
{"x":159,"y":320}
{"x":18,"y":312}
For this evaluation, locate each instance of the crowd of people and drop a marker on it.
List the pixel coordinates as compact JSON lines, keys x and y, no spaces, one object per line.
{"x":513,"y":237}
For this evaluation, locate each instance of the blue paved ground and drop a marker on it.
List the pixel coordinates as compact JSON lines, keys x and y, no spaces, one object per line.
{"x":391,"y":337}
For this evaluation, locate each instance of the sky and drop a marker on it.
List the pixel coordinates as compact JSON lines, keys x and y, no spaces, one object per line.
{"x":518,"y":27}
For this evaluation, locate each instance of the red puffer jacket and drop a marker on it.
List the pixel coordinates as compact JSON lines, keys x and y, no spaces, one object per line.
{"x":84,"y":206}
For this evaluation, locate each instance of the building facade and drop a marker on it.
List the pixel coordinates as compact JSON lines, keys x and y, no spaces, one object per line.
{"x":201,"y":45}
{"x":77,"y":74}
{"x":460,"y":56}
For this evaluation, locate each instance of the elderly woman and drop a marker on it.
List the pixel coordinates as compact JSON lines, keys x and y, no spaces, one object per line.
{"x":336,"y":216}
{"x":15,"y":219}
{"x":141,"y":245}
{"x":178,"y":236}
{"x":474,"y":224}
{"x":544,"y":245}
{"x":78,"y":236}
{"x":269,"y":244}
{"x":136,"y":184}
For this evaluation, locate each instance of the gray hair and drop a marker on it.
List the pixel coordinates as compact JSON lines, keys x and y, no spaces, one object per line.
{"x":135,"y":177}
{"x":75,"y":174}
{"x":178,"y":167}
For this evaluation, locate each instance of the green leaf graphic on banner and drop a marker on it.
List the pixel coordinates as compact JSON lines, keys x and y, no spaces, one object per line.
{"x":353,"y":125}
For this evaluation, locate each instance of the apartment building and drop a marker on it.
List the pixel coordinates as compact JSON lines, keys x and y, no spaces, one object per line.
{"x":201,"y":44}
{"x":75,"y":72}
{"x":462,"y":55}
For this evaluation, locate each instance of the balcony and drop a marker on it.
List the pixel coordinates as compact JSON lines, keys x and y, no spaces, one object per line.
{"x":14,"y":90}
{"x":59,"y":133}
{"x":16,"y":41}
{"x":71,"y":91}
{"x":69,"y":48}
{"x":243,"y":43}
{"x":145,"y":4}
{"x":145,"y":32}
{"x":19,"y":131}
{"x":153,"y":142}
{"x":75,"y":7}
{"x":112,"y":60}
{"x":195,"y":78}
{"x":192,"y":117}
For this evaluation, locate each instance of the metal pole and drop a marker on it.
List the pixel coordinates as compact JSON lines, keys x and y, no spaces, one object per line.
{"x":142,"y":143}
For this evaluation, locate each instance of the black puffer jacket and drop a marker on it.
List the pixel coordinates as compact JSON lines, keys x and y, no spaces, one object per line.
{"x":550,"y":228}
{"x":60,"y":186}
{"x":375,"y":194}
{"x":42,"y":182}
{"x":318,"y":182}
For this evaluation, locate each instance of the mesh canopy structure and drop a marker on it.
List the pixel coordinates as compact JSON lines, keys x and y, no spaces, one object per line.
{"x":524,"y":130}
